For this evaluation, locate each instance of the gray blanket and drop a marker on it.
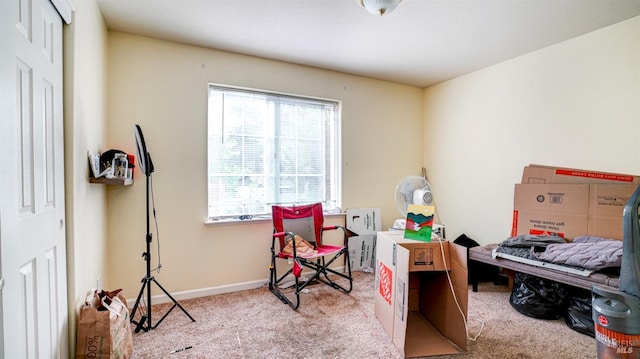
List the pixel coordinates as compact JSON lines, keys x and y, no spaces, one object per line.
{"x":593,"y":253}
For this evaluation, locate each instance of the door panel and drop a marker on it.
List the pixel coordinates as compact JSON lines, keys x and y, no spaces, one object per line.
{"x":32,"y":230}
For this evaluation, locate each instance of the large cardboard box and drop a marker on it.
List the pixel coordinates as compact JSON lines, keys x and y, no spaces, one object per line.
{"x":413,"y":299}
{"x":545,"y":209}
{"x":363,"y":225}
{"x":570,"y":210}
{"x":539,"y":174}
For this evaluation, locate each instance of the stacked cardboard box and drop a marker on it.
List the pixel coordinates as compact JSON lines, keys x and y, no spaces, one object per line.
{"x":571,"y":202}
{"x":363,"y":224}
{"x":414,"y":300}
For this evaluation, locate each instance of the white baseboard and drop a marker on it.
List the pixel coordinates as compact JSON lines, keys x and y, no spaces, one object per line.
{"x":203,"y":292}
{"x":197,"y":293}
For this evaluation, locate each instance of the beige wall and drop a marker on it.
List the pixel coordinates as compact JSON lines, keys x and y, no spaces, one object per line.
{"x":575,"y":104}
{"x":85,"y":49}
{"x":162,"y":86}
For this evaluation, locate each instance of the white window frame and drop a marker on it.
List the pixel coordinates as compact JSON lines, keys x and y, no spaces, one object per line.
{"x":236,"y":207}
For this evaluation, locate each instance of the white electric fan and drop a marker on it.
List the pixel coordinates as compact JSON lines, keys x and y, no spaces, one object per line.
{"x":413,"y":190}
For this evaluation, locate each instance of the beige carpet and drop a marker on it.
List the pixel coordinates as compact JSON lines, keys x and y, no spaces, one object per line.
{"x":331,"y":324}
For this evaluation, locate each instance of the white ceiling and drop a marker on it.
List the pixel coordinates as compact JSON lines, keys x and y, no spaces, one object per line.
{"x":421,"y":43}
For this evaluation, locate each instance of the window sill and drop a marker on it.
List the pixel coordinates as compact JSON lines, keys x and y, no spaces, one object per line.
{"x":236,"y":221}
{"x":254,"y":220}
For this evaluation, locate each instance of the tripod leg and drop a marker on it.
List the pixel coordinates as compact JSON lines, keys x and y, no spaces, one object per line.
{"x":144,"y":317}
{"x":175,"y":303}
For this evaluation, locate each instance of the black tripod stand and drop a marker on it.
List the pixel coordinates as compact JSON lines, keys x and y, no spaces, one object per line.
{"x":145,"y":322}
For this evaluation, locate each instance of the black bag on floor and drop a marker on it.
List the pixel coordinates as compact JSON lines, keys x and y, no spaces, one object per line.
{"x":477,"y":271}
{"x":579,"y":311}
{"x":537,"y":297}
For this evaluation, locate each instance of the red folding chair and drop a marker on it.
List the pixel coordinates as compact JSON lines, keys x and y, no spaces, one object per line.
{"x":298,"y":234}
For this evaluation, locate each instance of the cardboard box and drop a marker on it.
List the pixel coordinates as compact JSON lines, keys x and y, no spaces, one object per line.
{"x":570,"y":210}
{"x":548,"y":223}
{"x":413,"y":300}
{"x":362,"y":252}
{"x":364,"y":220}
{"x":606,"y":208}
{"x":363,"y":224}
{"x":539,"y":174}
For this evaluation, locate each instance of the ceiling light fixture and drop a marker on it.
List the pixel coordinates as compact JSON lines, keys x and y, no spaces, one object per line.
{"x":379,"y":7}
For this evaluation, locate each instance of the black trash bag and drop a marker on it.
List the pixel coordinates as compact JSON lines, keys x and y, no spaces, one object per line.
{"x":579,"y":313}
{"x":537,"y":297}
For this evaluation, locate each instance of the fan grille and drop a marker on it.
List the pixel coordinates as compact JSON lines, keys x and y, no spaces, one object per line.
{"x":405,"y":193}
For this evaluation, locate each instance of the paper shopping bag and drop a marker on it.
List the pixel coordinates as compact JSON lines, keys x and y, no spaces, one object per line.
{"x":104,"y":330}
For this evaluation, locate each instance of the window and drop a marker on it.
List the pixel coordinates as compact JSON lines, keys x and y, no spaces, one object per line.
{"x":267,"y":148}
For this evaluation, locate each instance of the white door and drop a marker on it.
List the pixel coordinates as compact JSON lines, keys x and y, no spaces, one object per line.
{"x":32,"y":211}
